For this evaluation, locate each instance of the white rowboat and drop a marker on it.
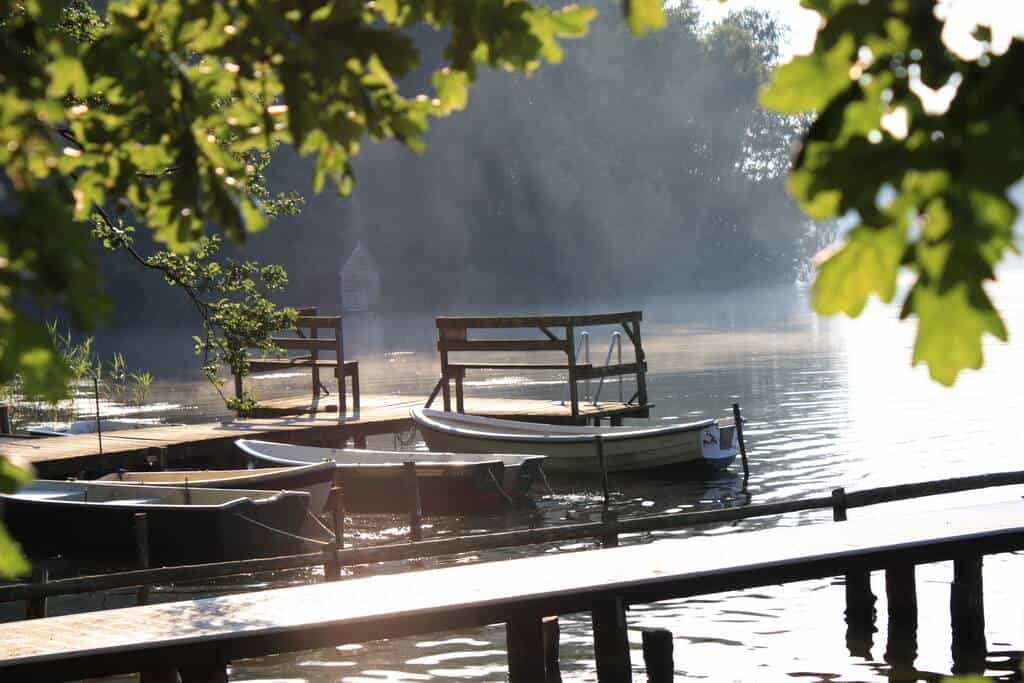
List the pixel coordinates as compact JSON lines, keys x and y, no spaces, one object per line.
{"x":574,"y":448}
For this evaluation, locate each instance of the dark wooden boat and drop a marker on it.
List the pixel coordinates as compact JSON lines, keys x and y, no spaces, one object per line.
{"x":315,"y":479}
{"x":96,"y":521}
{"x":449,"y":483}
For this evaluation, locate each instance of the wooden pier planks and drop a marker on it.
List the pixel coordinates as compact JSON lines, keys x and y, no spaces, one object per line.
{"x":356,"y":610}
{"x":67,"y":455}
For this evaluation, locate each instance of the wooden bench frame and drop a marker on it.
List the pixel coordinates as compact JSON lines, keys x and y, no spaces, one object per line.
{"x":453,"y":337}
{"x":307,"y":327}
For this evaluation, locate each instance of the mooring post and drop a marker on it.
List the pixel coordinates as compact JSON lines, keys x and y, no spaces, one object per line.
{"x":168,"y":675}
{"x":860,"y":601}
{"x":552,"y":635}
{"x":611,"y":643}
{"x":5,"y":419}
{"x":205,"y":671}
{"x":602,"y":461}
{"x":967,"y":616}
{"x":901,"y":595}
{"x":737,"y":419}
{"x":525,"y":645}
{"x":36,"y":607}
{"x":359,"y":440}
{"x":332,"y":568}
{"x":413,"y":503}
{"x":610,"y":537}
{"x":657,"y":644}
{"x":141,"y":524}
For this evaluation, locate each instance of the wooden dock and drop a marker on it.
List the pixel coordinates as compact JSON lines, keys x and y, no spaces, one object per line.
{"x":319,"y":423}
{"x":202,"y":636}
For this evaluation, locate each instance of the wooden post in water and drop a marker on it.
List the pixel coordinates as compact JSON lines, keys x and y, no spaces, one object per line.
{"x":610,"y":539}
{"x":611,"y":643}
{"x":967,"y":616}
{"x":141,"y":523}
{"x":525,"y":644}
{"x":738,"y":422}
{"x":36,"y":607}
{"x":860,"y":601}
{"x":657,"y":644}
{"x":5,"y":419}
{"x":901,"y":595}
{"x":413,"y":503}
{"x":603,"y":462}
{"x":332,"y":568}
{"x":552,"y":635}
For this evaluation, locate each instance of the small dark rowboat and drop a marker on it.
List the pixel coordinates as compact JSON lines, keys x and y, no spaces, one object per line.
{"x":449,"y":483}
{"x":96,"y":521}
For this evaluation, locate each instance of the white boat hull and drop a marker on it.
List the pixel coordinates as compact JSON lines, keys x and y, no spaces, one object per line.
{"x":574,"y":449}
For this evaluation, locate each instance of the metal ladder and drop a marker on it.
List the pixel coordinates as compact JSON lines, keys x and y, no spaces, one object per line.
{"x":583,"y":351}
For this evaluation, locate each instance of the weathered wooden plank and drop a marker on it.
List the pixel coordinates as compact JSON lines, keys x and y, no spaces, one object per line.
{"x":323,"y":322}
{"x":585,"y":371}
{"x":318,"y":343}
{"x":515,"y":366}
{"x":495,"y":322}
{"x":355,"y":610}
{"x":501,"y":345}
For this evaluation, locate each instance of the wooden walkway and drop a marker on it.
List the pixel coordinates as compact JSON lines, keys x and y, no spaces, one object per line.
{"x":210,"y":443}
{"x":518,"y":592}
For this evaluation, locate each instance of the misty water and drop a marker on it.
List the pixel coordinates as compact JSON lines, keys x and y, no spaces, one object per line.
{"x":828,"y":402}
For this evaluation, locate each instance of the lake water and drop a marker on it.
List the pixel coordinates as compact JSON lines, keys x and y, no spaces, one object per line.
{"x":828,"y":403}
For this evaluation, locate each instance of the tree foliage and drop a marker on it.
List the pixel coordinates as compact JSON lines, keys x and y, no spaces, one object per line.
{"x":920,"y":140}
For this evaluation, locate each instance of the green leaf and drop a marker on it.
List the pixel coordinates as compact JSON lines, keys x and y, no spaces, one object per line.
{"x":644,"y":15}
{"x":67,"y":74}
{"x":809,"y":82}
{"x":452,"y":88}
{"x":950,"y":328}
{"x":12,"y":562}
{"x":866,"y":264}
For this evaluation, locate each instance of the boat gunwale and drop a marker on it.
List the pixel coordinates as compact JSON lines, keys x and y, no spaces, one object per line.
{"x":489,"y":462}
{"x":423,"y":419}
{"x":239,"y":497}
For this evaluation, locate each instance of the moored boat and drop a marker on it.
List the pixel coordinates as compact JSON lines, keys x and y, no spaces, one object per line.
{"x":574,"y":448}
{"x":315,"y":479}
{"x":450,"y":483}
{"x":96,"y":520}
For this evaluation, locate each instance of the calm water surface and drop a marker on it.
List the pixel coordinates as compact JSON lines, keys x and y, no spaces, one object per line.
{"x":828,"y":402}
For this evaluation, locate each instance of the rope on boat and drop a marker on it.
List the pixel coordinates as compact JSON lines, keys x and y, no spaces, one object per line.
{"x":320,"y":524}
{"x":409,"y":440}
{"x":544,"y":478}
{"x":501,"y":490}
{"x":282,"y":531}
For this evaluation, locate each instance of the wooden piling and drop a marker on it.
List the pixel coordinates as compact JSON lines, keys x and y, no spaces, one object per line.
{"x":738,"y":426}
{"x":525,"y":645}
{"x":141,"y":524}
{"x":36,"y":607}
{"x":860,"y":601}
{"x":5,"y":419}
{"x":603,"y":462}
{"x":552,"y":636}
{"x":413,"y":504}
{"x":610,"y":539}
{"x":332,"y":567}
{"x":967,"y":616}
{"x":901,"y":595}
{"x":657,"y":645}
{"x":167,"y":675}
{"x":611,"y":644}
{"x":204,"y":671}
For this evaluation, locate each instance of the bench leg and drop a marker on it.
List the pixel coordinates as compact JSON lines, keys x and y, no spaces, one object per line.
{"x":355,"y":391}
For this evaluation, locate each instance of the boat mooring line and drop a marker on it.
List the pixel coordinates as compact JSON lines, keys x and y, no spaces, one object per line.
{"x":281,"y":531}
{"x":501,"y":490}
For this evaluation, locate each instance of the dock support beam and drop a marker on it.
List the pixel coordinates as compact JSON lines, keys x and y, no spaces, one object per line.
{"x":611,"y":644}
{"x":901,"y":595}
{"x":860,"y":601}
{"x":967,"y":615}
{"x":525,"y":644}
{"x":141,"y":522}
{"x":36,"y":607}
{"x":412,"y":498}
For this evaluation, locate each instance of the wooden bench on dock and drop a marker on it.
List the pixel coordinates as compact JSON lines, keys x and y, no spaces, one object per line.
{"x":453,"y":336}
{"x":306,"y":337}
{"x":200,"y":637}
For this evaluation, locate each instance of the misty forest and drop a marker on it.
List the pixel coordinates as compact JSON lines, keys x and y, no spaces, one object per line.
{"x":634,"y":165}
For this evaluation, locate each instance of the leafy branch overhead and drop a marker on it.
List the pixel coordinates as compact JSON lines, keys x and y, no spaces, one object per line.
{"x":919,"y":136}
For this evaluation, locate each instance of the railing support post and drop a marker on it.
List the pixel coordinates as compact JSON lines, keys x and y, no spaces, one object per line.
{"x":141,"y":522}
{"x":860,"y":601}
{"x":36,"y":607}
{"x":967,"y":616}
{"x":413,"y":503}
{"x":611,"y":644}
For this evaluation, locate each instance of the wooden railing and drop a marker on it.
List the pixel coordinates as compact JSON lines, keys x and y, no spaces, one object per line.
{"x":453,"y":336}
